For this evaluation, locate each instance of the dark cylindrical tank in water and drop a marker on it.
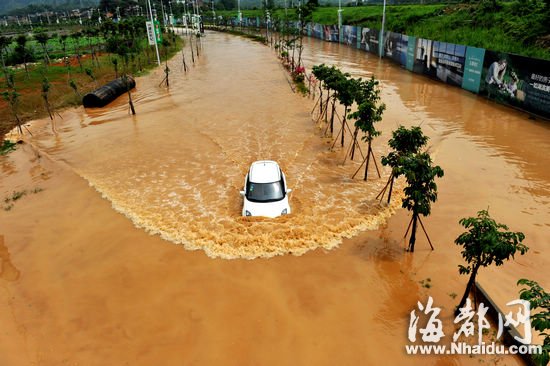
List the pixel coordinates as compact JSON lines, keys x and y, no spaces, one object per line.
{"x":108,"y":92}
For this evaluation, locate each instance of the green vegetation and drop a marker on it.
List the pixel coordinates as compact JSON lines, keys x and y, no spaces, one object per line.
{"x":519,"y":26}
{"x":540,"y":317}
{"x":17,"y":195}
{"x":420,"y":191}
{"x":404,"y":142}
{"x":70,"y":66}
{"x":6,"y":147}
{"x":486,"y":242}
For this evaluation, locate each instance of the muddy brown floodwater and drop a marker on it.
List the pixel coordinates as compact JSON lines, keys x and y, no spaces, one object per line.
{"x":83,"y":281}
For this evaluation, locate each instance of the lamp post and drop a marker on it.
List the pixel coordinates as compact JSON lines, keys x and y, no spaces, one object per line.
{"x":340,"y":18}
{"x":213,"y":13}
{"x":155,"y":36}
{"x":381,"y":45}
{"x":171,"y":16}
{"x":163,"y":13}
{"x":239,"y":14}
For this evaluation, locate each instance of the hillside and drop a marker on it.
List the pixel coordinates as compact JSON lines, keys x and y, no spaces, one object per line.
{"x":515,"y":27}
{"x":7,"y":6}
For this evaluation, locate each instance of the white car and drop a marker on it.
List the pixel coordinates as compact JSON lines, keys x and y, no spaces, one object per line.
{"x":265,"y":191}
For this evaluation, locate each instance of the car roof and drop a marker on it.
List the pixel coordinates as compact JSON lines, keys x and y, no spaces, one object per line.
{"x":264,"y":171}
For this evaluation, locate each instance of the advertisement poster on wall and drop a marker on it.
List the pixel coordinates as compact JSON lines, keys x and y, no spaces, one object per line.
{"x":423,"y":62}
{"x":411,"y":49}
{"x":473,"y":67}
{"x":349,"y":35}
{"x":331,"y":33}
{"x":317,"y":31}
{"x":449,"y":59}
{"x":518,"y":81}
{"x":369,"y":39}
{"x":395,"y":47}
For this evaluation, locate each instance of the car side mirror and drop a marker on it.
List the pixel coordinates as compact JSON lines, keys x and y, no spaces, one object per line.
{"x":288,"y":190}
{"x":242,"y":193}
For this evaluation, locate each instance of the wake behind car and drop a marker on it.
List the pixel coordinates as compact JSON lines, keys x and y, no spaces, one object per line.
{"x":265,"y":191}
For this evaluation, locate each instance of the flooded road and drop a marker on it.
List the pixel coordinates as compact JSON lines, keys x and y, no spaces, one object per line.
{"x":176,"y":168}
{"x":81,"y":284}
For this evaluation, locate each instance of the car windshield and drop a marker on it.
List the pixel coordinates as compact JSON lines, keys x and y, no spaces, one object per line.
{"x":265,"y":192}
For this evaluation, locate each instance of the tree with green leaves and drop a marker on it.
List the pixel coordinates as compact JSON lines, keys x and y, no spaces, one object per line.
{"x":119,"y":46}
{"x":369,"y":112}
{"x":346,"y":93}
{"x":404,"y":142}
{"x":4,"y":44}
{"x":74,"y":87}
{"x":42,"y":38}
{"x":305,"y":16}
{"x":420,"y":192}
{"x":91,"y":74}
{"x":485,"y":243}
{"x":321,"y":73}
{"x":332,"y":79}
{"x":539,"y":301}
{"x":114,"y":61}
{"x":46,"y":86}
{"x":91,"y":34}
{"x":77,"y":36}
{"x":12,"y":97}
{"x":22,"y":53}
{"x":63,"y":39}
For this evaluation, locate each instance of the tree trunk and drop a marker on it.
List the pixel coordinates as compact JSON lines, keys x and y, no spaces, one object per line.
{"x":332,"y":118}
{"x":344,"y":125}
{"x":412,"y":240}
{"x":192,"y":52}
{"x":46,"y":55}
{"x":391,"y":187}
{"x":320,"y":99}
{"x":368,"y":160}
{"x":353,"y":143}
{"x":471,"y":282}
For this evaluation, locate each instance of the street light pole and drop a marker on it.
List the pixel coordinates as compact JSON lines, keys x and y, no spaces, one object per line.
{"x":213,"y":13}
{"x":155,"y":37}
{"x":163,"y":14}
{"x":340,"y":18}
{"x":239,"y":15}
{"x":381,"y":45}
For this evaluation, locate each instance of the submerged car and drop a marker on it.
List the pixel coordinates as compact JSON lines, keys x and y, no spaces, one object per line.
{"x":265,"y":191}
